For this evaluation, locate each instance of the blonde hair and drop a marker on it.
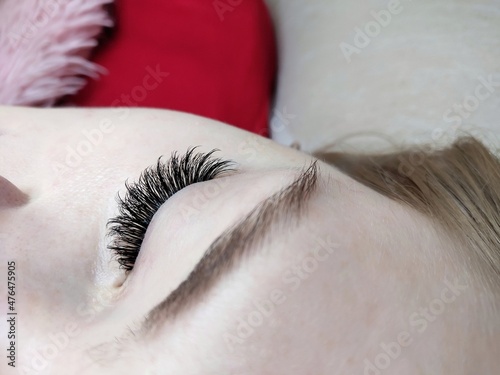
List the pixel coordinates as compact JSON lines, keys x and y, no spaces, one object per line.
{"x":457,"y":186}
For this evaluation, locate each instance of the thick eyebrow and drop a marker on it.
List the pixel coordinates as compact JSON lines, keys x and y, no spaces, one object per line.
{"x":279,"y":211}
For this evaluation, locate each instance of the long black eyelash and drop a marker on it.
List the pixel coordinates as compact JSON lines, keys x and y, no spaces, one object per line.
{"x":144,"y":198}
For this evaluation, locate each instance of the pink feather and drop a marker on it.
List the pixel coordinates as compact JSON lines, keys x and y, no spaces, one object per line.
{"x":44,"y":46}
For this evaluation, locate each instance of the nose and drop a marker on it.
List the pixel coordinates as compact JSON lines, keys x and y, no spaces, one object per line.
{"x":10,"y":195}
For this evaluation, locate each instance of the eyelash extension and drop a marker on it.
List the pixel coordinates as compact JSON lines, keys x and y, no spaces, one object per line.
{"x":153,"y":188}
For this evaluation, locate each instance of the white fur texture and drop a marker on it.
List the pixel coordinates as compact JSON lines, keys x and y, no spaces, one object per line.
{"x":44,"y":45}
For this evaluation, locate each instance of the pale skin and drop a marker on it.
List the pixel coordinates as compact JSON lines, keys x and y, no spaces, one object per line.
{"x":326,"y":319}
{"x":378,"y":274}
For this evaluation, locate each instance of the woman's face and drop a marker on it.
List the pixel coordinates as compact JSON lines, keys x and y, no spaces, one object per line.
{"x":313,"y":282}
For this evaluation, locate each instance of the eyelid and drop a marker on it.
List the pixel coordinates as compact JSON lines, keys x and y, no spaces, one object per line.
{"x":154,"y":187}
{"x":274,"y":214}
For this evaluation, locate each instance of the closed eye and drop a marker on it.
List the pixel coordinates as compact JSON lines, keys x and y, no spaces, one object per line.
{"x":154,"y":187}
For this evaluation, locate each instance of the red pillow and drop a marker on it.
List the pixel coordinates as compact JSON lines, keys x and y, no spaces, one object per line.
{"x":212,"y":58}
